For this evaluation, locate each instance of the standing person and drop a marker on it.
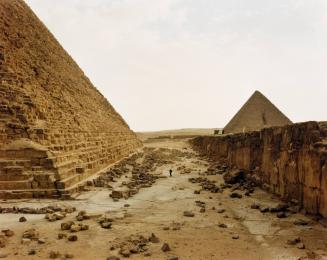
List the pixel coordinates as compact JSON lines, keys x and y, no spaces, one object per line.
{"x":171,"y":172}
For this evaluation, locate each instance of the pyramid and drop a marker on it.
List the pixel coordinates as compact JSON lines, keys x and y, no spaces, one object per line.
{"x":56,"y":129}
{"x":258,"y":112}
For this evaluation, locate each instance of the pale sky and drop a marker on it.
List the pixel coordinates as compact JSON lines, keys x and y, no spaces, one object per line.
{"x":168,"y":64}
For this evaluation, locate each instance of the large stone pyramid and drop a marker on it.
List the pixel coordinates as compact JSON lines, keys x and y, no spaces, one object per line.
{"x":56,"y":129}
{"x":258,"y":112}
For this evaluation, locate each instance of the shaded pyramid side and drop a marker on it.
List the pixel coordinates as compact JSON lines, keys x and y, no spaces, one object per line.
{"x":258,"y":112}
{"x":56,"y":128}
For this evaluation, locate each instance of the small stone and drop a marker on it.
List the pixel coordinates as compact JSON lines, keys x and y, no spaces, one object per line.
{"x":54,"y":254}
{"x":293,"y":241}
{"x":281,"y":215}
{"x":166,"y":228}
{"x":172,"y":258}
{"x":32,"y":252}
{"x":255,"y":206}
{"x":26,"y":241}
{"x":72,"y":238}
{"x":301,"y":222}
{"x":222,"y":225}
{"x":66,"y":225}
{"x":188,"y":214}
{"x":106,"y":225}
{"x":221,"y":211}
{"x":202,"y":210}
{"x":263,"y":209}
{"x":113,"y":258}
{"x":41,"y":241}
{"x":235,"y":237}
{"x":75,"y":228}
{"x":147,"y":254}
{"x":153,"y":238}
{"x":165,"y":247}
{"x":197,"y":192}
{"x":126,"y":205}
{"x":62,"y":235}
{"x":301,"y":246}
{"x":22,"y":219}
{"x":8,"y":232}
{"x":125,"y":252}
{"x":235,"y":195}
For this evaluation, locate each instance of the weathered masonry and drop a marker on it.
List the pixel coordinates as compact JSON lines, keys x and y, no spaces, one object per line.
{"x":56,"y":129}
{"x":291,"y":160}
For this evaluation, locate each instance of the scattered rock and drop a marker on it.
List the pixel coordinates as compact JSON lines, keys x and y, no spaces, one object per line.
{"x":72,"y":238}
{"x":293,"y":241}
{"x":222,"y":225}
{"x":54,"y":254}
{"x":165,"y":247}
{"x":301,"y":246}
{"x":31,"y":234}
{"x":62,"y":235}
{"x":153,"y":238}
{"x":235,"y":237}
{"x":220,"y":211}
{"x":8,"y":232}
{"x":301,"y":222}
{"x":32,"y":252}
{"x":188,"y":214}
{"x":25,"y":241}
{"x":281,"y":215}
{"x":113,"y":258}
{"x":263,"y":209}
{"x":255,"y":206}
{"x":172,"y":258}
{"x":235,"y":195}
{"x":41,"y":241}
{"x":22,"y":219}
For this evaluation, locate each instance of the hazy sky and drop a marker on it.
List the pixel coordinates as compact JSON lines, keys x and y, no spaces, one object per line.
{"x":167,"y":64}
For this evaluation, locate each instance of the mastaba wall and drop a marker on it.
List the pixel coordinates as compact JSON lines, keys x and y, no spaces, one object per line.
{"x":56,"y":129}
{"x":290,"y":160}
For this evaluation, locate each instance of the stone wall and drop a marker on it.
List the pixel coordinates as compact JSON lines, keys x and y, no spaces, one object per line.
{"x":56,"y":128}
{"x":291,"y":161}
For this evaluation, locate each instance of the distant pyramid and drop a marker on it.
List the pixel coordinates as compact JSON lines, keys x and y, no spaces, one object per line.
{"x":258,"y":112}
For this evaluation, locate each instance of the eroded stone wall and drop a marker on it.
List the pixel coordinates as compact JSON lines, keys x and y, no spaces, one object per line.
{"x":291,"y":161}
{"x":56,"y":129}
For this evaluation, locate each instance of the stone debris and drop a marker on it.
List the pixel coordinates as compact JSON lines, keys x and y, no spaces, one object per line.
{"x":301,"y":222}
{"x":235,"y":236}
{"x":113,"y":258}
{"x":28,"y":210}
{"x":31,"y":234}
{"x":55,"y":216}
{"x":22,"y":219}
{"x":206,"y":184}
{"x":165,"y":247}
{"x":54,"y":254}
{"x":105,"y":222}
{"x":82,"y":215}
{"x":133,"y":244}
{"x":235,"y":195}
{"x":73,"y":227}
{"x":72,"y":238}
{"x":222,"y":225}
{"x":189,"y":214}
{"x":293,"y":241}
{"x":8,"y":232}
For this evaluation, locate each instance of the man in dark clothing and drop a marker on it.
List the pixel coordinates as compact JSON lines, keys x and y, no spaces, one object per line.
{"x":170,"y":172}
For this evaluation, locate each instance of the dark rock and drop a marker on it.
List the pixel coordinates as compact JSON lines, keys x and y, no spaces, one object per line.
{"x":235,"y":195}
{"x":188,"y":214}
{"x":22,"y":219}
{"x":301,"y":222}
{"x":72,"y":238}
{"x":222,"y":225}
{"x":165,"y":247}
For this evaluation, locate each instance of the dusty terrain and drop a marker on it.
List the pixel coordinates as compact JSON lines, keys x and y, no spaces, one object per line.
{"x":221,"y":228}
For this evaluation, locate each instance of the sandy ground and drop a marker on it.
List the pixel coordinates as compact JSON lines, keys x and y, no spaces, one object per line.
{"x":261,"y":236}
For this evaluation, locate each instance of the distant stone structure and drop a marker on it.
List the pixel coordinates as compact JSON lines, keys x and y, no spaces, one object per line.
{"x":257,"y":113}
{"x":56,"y":129}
